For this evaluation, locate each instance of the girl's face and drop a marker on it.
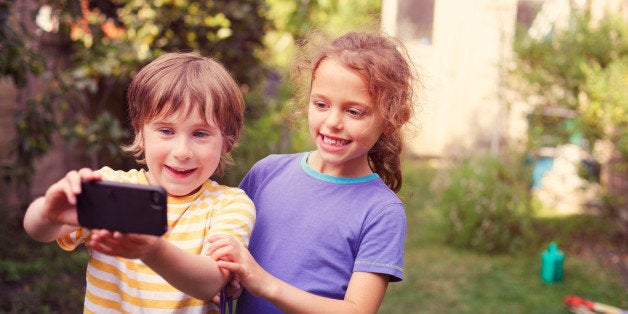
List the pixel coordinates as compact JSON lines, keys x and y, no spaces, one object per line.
{"x":182,"y":151}
{"x":342,"y":121}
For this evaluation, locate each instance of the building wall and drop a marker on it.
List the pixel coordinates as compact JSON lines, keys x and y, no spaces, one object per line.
{"x":461,"y":104}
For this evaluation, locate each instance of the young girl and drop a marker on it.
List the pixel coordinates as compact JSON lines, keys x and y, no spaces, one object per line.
{"x":330,"y":229}
{"x":187,"y":113}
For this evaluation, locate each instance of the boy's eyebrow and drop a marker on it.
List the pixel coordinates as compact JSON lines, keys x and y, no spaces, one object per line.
{"x":206,"y":124}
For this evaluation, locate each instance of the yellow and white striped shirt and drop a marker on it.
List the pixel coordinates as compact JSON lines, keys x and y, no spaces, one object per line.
{"x":120,"y":285}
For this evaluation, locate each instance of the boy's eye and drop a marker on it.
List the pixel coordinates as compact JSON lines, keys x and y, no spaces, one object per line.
{"x":201,"y":134}
{"x":165,"y":131}
{"x":320,"y":105}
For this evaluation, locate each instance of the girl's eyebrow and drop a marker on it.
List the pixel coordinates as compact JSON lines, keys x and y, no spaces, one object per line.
{"x":318,"y":96}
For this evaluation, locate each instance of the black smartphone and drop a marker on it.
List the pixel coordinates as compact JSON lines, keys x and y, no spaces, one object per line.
{"x":124,"y":207}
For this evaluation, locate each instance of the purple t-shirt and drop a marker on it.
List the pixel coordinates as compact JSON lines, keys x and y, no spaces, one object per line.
{"x":313,"y":230}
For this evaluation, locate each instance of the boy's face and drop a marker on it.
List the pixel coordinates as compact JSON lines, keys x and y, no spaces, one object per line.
{"x":182,"y":151}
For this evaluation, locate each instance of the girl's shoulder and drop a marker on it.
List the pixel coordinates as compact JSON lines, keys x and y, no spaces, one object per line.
{"x":274,"y":161}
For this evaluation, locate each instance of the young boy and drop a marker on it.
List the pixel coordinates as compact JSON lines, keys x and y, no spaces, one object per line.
{"x":187,"y":113}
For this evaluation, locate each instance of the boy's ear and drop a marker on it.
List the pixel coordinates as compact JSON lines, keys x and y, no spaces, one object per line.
{"x":225,"y":146}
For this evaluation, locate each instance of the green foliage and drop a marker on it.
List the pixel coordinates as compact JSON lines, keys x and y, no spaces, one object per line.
{"x":36,"y":277}
{"x":552,"y":68}
{"x":580,"y":74}
{"x":34,"y":125}
{"x":441,"y":278}
{"x":111,"y":40}
{"x":292,"y":21}
{"x":94,"y":52}
{"x":17,"y":60}
{"x":605,"y":113}
{"x":579,"y":71}
{"x":486,"y":203}
{"x":105,"y":133}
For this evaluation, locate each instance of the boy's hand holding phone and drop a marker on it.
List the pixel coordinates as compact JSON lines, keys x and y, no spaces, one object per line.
{"x":123,"y":207}
{"x":127,"y":245}
{"x":60,"y":198}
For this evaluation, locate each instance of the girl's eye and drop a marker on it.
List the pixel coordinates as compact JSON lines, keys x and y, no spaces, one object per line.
{"x":355,"y":112}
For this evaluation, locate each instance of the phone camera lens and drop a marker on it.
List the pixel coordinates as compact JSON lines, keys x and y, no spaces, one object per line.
{"x":155,"y":198}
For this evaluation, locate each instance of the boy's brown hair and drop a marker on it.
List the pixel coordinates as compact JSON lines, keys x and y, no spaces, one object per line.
{"x":186,"y":81}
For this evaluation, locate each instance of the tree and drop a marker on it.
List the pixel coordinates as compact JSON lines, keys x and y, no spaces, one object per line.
{"x":582,"y":70}
{"x":92,"y":49}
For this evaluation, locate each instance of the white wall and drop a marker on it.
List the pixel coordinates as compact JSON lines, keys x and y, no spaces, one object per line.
{"x":462,"y":108}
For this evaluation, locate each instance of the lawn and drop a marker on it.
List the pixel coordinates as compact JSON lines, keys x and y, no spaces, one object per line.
{"x":38,"y":278}
{"x":441,"y":279}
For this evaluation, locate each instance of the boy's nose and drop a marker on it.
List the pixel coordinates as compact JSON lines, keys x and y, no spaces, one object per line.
{"x":182,"y":149}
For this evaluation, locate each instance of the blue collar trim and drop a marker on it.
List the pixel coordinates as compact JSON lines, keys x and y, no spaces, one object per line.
{"x":340,"y":180}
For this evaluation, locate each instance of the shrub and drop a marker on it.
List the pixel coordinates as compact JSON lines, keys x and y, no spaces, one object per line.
{"x":486,"y":202}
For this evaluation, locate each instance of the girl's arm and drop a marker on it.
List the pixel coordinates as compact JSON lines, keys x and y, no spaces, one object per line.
{"x":364,"y":293}
{"x":195,"y":275}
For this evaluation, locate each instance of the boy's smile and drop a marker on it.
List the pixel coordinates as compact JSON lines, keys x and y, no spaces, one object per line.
{"x":182,"y":151}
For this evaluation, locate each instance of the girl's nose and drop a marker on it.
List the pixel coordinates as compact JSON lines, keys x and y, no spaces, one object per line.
{"x":334,"y":119}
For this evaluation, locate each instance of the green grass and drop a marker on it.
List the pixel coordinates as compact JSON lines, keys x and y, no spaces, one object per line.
{"x":441,"y":279}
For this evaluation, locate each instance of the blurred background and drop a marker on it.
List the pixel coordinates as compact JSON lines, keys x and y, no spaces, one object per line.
{"x":520,"y":136}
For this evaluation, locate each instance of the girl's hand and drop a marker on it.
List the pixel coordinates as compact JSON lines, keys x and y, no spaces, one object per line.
{"x":234,"y":290}
{"x":127,"y":245}
{"x":231,"y":255}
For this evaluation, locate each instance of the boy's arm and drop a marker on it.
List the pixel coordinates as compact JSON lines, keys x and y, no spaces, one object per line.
{"x":54,"y":215}
{"x":195,"y":275}
{"x":39,"y":227}
{"x":199,"y":275}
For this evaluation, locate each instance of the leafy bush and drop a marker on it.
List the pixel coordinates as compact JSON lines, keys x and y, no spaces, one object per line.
{"x":37,"y":277}
{"x":486,"y":202}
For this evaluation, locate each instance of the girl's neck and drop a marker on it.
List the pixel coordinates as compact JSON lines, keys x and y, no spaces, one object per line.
{"x":354,"y":169}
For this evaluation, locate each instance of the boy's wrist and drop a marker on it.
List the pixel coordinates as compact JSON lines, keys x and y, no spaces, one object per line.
{"x":154,"y":250}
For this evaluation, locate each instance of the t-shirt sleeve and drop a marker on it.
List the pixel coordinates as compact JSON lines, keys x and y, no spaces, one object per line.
{"x":72,"y":240}
{"x":235,"y":217}
{"x":382,"y":247}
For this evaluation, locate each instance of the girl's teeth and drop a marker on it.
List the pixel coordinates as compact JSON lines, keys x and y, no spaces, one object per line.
{"x":334,"y":142}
